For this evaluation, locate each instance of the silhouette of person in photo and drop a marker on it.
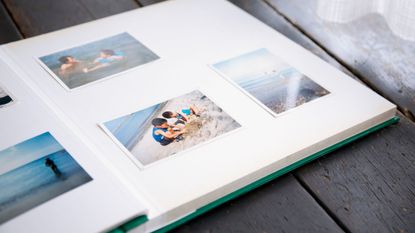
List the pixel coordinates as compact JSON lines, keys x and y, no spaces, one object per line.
{"x":51,"y":164}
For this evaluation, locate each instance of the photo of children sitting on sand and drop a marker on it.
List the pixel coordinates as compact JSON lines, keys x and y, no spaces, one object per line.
{"x":170,"y":127}
{"x":93,"y":61}
{"x":35,"y":171}
{"x":270,"y":82}
{"x":5,"y":99}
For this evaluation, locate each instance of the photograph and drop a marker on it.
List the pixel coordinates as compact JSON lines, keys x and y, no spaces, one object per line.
{"x":96,"y":60}
{"x":35,"y":171}
{"x":170,"y":127}
{"x":5,"y":99}
{"x":270,"y":82}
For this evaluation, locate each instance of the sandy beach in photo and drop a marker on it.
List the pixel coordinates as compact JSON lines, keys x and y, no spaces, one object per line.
{"x":212,"y":122}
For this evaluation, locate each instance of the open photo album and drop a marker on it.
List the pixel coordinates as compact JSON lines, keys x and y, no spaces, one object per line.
{"x":131,"y":124}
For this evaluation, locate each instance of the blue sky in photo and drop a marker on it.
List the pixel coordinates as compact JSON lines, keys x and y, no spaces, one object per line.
{"x":28,"y":151}
{"x":251,"y":65}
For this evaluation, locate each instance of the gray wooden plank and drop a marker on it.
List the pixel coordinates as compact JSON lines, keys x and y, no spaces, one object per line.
{"x":280,"y":206}
{"x":104,"y":8}
{"x":366,"y":45}
{"x":369,"y":185}
{"x":8,"y":30}
{"x":38,"y":17}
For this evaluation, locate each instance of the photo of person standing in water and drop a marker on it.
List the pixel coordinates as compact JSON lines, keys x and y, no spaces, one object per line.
{"x":170,"y":127}
{"x":35,"y":171}
{"x":87,"y":63}
{"x":51,"y":164}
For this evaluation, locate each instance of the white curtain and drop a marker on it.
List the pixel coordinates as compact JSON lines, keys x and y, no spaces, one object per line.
{"x":399,"y":14}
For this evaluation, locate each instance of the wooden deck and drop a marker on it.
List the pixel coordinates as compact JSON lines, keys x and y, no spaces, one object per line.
{"x":368,"y":186}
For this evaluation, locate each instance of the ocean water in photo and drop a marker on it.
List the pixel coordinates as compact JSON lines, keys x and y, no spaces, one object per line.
{"x":34,"y":183}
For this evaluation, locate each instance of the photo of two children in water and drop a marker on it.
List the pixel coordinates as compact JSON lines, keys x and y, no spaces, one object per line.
{"x":170,"y":127}
{"x":97,"y":60}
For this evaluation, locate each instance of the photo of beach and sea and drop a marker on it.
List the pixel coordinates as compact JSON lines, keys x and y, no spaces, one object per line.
{"x":33,"y":172}
{"x":272,"y":83}
{"x":170,"y":127}
{"x":96,"y":60}
{"x":5,"y":99}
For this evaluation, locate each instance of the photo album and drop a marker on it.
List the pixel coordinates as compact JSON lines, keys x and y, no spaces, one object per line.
{"x":131,"y":124}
